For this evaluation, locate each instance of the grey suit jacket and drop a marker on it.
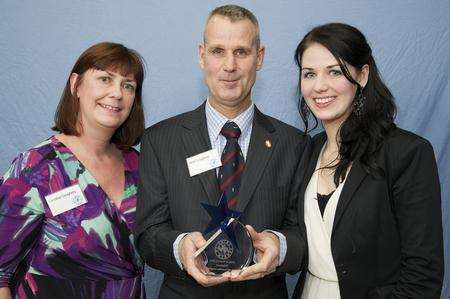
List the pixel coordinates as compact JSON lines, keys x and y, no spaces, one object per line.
{"x":169,"y":199}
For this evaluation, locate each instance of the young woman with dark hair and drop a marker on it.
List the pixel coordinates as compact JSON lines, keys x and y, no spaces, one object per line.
{"x":67,"y":205}
{"x":371,"y":195}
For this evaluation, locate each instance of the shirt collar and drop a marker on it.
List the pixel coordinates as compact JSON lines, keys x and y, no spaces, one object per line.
{"x":215,"y":120}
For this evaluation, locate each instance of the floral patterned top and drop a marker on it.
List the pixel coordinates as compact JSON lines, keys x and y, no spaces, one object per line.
{"x":85,"y":252}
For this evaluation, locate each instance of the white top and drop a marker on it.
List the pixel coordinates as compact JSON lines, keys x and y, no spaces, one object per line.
{"x":321,"y":279}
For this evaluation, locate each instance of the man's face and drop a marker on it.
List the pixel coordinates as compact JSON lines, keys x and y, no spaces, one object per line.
{"x":230,"y":58}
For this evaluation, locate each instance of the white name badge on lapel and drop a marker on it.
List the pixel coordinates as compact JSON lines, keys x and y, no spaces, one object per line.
{"x":65,"y":199}
{"x":203,"y":162}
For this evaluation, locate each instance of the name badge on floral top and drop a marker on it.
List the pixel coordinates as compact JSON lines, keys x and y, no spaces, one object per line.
{"x":65,"y":199}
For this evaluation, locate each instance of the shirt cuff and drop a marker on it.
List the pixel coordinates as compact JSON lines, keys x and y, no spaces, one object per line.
{"x":176,"y":253}
{"x":283,"y":246}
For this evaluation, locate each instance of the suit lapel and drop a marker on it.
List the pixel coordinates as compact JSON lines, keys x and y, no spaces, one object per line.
{"x":196,"y":141}
{"x":262,"y":143}
{"x":354,"y":179}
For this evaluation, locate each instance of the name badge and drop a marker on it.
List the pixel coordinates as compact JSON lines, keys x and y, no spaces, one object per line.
{"x":203,"y":162}
{"x":65,"y":199}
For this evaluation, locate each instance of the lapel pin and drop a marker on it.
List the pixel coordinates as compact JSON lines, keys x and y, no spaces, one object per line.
{"x":268,"y":144}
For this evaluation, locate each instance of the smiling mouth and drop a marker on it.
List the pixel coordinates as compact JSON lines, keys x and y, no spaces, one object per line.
{"x":111,"y":108}
{"x":324,"y":100}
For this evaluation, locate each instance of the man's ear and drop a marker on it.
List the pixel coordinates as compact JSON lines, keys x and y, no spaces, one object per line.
{"x":260,"y":58}
{"x":201,"y":55}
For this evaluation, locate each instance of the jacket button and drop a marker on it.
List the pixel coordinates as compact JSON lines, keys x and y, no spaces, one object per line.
{"x":342,"y":269}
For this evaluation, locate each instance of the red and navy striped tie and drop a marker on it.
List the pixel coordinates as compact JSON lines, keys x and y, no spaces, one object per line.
{"x":233,"y":163}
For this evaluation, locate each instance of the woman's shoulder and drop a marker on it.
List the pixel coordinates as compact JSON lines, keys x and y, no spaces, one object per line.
{"x":31,"y":167}
{"x":402,"y":149}
{"x":43,"y":152}
{"x":401,"y":140}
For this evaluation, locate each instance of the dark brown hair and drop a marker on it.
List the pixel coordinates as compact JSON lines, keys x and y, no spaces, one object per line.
{"x":360,"y":136}
{"x":113,"y":57}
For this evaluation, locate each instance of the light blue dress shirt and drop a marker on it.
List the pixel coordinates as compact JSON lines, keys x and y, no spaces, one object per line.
{"x":215,"y":122}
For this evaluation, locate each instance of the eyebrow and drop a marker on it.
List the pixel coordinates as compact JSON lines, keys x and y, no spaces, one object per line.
{"x":333,"y":65}
{"x":211,"y":45}
{"x":127,"y":79}
{"x":328,"y":67}
{"x":220,"y":46}
{"x":111,"y":74}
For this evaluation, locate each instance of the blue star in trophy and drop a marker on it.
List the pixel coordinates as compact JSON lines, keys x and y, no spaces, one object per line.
{"x":220,"y":216}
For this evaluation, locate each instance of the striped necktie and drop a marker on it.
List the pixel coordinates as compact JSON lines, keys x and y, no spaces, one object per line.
{"x":233,"y":163}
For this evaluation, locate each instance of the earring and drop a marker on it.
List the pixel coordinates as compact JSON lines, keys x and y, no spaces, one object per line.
{"x":358,"y":103}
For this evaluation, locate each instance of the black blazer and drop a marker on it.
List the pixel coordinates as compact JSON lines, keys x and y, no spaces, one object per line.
{"x":387,"y":232}
{"x":169,"y":199}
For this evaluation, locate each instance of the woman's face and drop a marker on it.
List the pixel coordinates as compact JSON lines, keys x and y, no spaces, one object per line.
{"x":326,"y":90}
{"x":106,"y":98}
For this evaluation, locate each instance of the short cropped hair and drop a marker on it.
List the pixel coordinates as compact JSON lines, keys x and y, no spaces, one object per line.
{"x":235,"y":13}
{"x":105,"y":56}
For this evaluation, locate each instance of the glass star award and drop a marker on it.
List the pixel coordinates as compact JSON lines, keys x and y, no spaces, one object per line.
{"x":228,"y":243}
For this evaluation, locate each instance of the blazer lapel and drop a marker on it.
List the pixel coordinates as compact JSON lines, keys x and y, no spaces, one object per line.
{"x":262,"y":143}
{"x":318,"y":143}
{"x":316,"y":147}
{"x":196,"y":141}
{"x":354,"y":179}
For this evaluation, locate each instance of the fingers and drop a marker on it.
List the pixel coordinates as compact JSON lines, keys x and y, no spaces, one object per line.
{"x":267,"y":250}
{"x":257,"y":238}
{"x":265,"y":266}
{"x":194,"y":266}
{"x":253,"y":233}
{"x":190,"y":242}
{"x":255,"y":271}
{"x":251,"y":230}
{"x":203,"y":279}
{"x":198,"y":240}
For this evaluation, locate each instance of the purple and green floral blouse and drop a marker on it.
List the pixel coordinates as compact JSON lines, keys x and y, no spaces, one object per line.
{"x":85,"y":252}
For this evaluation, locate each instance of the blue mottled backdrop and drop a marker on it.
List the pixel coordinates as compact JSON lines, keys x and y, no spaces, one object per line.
{"x":40,"y":41}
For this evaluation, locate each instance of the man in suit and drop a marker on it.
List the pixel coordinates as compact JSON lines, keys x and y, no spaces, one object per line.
{"x":265,"y":178}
